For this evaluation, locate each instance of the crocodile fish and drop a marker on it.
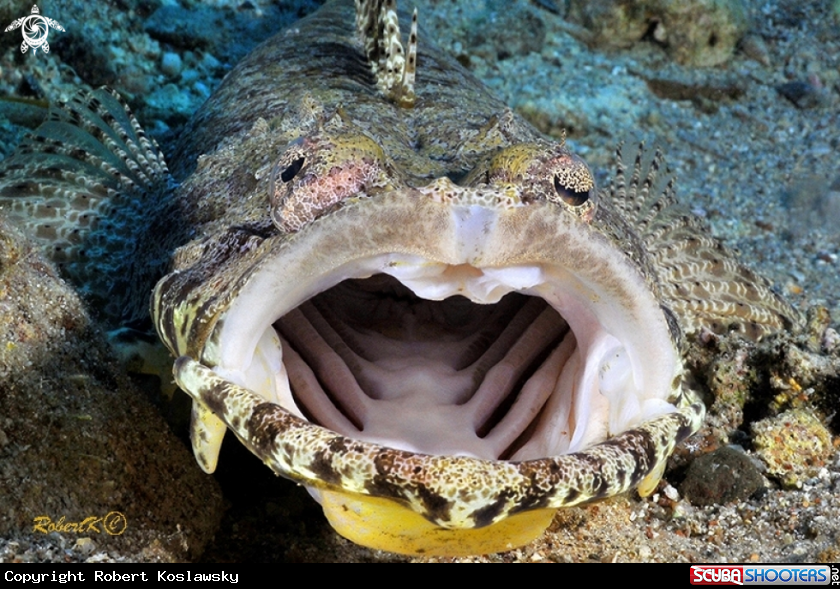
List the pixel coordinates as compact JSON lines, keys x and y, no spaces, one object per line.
{"x":392,"y":289}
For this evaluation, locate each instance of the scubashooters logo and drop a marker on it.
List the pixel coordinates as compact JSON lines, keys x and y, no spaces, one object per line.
{"x":759,"y":574}
{"x":35,"y":29}
{"x":189,"y":576}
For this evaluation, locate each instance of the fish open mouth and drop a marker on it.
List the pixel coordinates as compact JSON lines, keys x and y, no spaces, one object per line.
{"x":372,"y":360}
{"x":517,"y":362}
{"x":448,"y":360}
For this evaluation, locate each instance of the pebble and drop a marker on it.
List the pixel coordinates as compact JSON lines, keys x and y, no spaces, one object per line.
{"x":191,"y":75}
{"x":210,"y":62}
{"x":170,"y":64}
{"x":755,"y":48}
{"x":84,"y":546}
{"x":171,"y":99}
{"x":721,"y":477}
{"x":201,"y":89}
{"x":794,"y":445}
{"x":801,"y":94}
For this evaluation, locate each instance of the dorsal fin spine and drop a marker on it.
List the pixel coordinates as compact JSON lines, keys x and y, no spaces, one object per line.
{"x":393,"y":66}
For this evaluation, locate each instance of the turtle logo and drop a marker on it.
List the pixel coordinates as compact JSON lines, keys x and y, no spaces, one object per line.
{"x":35,"y":29}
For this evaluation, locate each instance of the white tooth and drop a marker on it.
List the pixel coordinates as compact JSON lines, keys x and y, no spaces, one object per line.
{"x":206,"y":433}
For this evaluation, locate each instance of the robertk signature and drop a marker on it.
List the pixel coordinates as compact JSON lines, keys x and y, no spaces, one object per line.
{"x":112,"y":524}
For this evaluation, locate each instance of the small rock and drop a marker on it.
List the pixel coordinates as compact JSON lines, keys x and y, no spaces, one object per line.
{"x":830,"y":340}
{"x":190,"y":76}
{"x":135,"y":80}
{"x":173,"y":102}
{"x":201,"y":89}
{"x":711,"y":88}
{"x":671,"y":493}
{"x":210,"y":62}
{"x":84,"y":546}
{"x":170,"y":64}
{"x":794,"y":445}
{"x":801,"y":94}
{"x":722,"y":476}
{"x":755,"y":48}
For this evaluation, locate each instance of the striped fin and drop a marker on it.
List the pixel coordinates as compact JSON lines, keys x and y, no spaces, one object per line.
{"x":96,"y":193}
{"x":701,"y":281}
{"x":393,"y":65}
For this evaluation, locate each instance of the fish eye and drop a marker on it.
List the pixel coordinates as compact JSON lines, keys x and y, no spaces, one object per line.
{"x":568,"y":194}
{"x":292,"y":170}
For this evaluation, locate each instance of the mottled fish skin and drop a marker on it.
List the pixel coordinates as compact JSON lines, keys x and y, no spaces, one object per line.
{"x":307,"y":160}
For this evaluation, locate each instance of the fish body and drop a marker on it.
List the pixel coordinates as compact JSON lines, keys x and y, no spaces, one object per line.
{"x":395,"y":291}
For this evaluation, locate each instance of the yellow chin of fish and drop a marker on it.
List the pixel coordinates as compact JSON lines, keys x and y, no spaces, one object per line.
{"x":386,"y":525}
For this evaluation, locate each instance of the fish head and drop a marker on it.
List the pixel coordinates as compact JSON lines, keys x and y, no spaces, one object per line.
{"x":442,"y":361}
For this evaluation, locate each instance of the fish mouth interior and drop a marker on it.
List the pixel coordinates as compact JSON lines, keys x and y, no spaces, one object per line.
{"x":370,"y":359}
{"x":513,"y":363}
